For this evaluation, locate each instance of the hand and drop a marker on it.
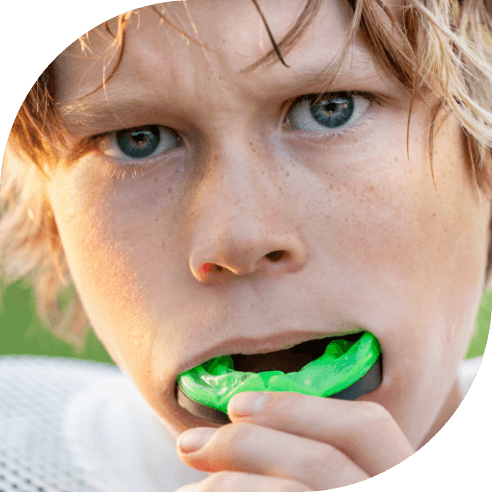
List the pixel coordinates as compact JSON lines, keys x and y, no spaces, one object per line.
{"x":295,"y":443}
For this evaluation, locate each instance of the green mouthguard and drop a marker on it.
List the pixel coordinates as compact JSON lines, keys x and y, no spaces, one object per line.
{"x":215,"y":382}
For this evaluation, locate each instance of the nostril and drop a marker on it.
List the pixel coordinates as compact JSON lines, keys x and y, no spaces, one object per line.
{"x":276,"y":255}
{"x":275,"y":262}
{"x":210,"y":268}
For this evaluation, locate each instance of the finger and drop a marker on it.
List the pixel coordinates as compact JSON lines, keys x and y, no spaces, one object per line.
{"x":250,"y":448}
{"x":227,"y":481}
{"x":364,"y":431}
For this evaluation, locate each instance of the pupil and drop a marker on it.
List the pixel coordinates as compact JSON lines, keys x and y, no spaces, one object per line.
{"x":139,"y":137}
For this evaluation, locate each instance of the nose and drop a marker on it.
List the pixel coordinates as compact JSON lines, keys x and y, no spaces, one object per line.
{"x":238,"y":251}
{"x":250,"y":230}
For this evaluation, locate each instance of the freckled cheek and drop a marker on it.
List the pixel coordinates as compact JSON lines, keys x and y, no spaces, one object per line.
{"x":370,"y":227}
{"x":412,"y":239}
{"x":396,"y":232}
{"x":105,"y":274}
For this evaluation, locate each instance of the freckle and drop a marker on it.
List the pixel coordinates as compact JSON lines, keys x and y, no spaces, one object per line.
{"x":287,"y":175}
{"x":396,"y":159}
{"x":254,"y":150}
{"x":169,"y":190}
{"x":163,"y":245}
{"x":156,"y":179}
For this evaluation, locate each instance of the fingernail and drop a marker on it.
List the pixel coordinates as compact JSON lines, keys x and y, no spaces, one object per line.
{"x":248,"y":403}
{"x":194,"y":439}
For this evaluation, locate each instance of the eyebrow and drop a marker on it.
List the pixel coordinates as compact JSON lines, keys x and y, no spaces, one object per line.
{"x":117,"y":102}
{"x":88,"y":114}
{"x":363,"y":69}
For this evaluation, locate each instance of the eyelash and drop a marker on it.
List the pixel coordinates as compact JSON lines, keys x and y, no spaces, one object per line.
{"x":120,"y":172}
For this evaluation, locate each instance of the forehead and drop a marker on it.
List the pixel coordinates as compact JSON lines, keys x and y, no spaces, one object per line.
{"x":198,"y":50}
{"x":231,"y":33}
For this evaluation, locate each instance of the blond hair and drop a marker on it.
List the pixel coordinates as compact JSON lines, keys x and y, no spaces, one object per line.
{"x":443,"y":47}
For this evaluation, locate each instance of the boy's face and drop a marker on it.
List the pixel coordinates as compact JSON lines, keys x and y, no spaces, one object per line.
{"x":367,"y":241}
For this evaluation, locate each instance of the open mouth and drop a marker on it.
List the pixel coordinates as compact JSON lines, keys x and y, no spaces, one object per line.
{"x":288,"y":360}
{"x":344,"y":367}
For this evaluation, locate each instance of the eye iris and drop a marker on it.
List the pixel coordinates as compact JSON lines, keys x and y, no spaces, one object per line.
{"x":139,"y":142}
{"x":334,"y":112}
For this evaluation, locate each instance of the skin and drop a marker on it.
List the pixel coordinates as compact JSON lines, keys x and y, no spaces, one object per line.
{"x":369,"y":242}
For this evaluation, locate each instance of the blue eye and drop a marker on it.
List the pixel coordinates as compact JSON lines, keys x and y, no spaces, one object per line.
{"x":333,"y":113}
{"x":330,"y":113}
{"x":140,"y":142}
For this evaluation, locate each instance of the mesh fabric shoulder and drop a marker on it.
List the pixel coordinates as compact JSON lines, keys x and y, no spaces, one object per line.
{"x":34,"y":396}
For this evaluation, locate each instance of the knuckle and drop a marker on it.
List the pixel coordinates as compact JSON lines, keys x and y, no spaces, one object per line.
{"x":373,"y":414}
{"x":323,"y":458}
{"x":379,"y":414}
{"x":379,"y":410}
{"x":333,"y":459}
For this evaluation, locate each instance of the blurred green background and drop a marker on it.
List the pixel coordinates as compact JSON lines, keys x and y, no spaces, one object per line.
{"x":22,"y":333}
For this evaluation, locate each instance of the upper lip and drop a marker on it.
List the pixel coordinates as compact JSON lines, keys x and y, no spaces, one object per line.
{"x":248,"y":346}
